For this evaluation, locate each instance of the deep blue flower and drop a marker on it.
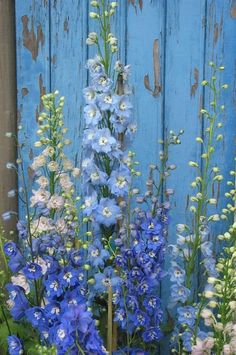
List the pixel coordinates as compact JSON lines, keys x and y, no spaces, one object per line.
{"x":141,"y":319}
{"x":36,"y":316}
{"x":17,"y":302}
{"x":22,"y":229}
{"x":107,"y":212}
{"x":121,"y":317}
{"x":68,"y":277}
{"x":53,"y":310}
{"x":152,"y":334}
{"x":78,"y":317}
{"x":32,"y":271}
{"x":62,"y":335}
{"x":152,"y":303}
{"x":151,"y":226}
{"x":96,"y":254}
{"x":14,"y":345}
{"x":186,"y":315}
{"x":77,"y":257}
{"x":10,"y":249}
{"x":16,"y":262}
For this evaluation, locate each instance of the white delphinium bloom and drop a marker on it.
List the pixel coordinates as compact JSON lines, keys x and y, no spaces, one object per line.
{"x":20,"y":280}
{"x":38,"y":162}
{"x":39,"y":196}
{"x":55,"y":202}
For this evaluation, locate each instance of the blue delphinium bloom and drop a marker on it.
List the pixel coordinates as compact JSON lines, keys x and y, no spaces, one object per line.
{"x":105,"y":279}
{"x":15,"y":346}
{"x":101,"y":83}
{"x":187,"y":340}
{"x":96,"y":254}
{"x":120,"y":123}
{"x":107,"y":212}
{"x":10,"y":249}
{"x":89,"y":95}
{"x":62,"y":336}
{"x":68,"y":277}
{"x":104,"y":142}
{"x":32,"y":271}
{"x":152,"y":334}
{"x":36,"y":316}
{"x":123,"y":106}
{"x":179,"y":293}
{"x":90,"y":203}
{"x":92,"y":114}
{"x":17,"y":302}
{"x":95,"y":66}
{"x":106,"y":101}
{"x":119,"y":181}
{"x":177,"y":274}
{"x":186,"y":315}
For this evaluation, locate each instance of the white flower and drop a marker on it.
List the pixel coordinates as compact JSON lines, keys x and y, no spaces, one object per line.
{"x":42,"y":181}
{"x":39,"y":196}
{"x":61,"y":226}
{"x":53,"y":166}
{"x":65,"y":182}
{"x":20,"y":280}
{"x":55,"y":202}
{"x":227,"y":350}
{"x":49,"y":151}
{"x":76,"y":172}
{"x":38,"y":162}
{"x":67,"y":164}
{"x":43,"y":224}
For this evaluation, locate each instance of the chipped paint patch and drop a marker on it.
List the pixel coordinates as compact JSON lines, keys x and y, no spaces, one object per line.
{"x":156,"y":66}
{"x":31,"y":41}
{"x":66,"y":25}
{"x":24,"y":92}
{"x":194,"y":86}
{"x":233,"y":12}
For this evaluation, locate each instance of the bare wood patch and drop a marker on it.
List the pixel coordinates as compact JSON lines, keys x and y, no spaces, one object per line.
{"x":233,"y":12}
{"x":42,"y":91}
{"x":136,"y":3}
{"x":31,"y":40}
{"x":66,"y":25}
{"x":196,"y":82}
{"x":156,"y":69}
{"x":24,"y":92}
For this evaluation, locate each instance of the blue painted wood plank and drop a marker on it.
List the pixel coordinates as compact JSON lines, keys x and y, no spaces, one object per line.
{"x":221,"y":48}
{"x":33,"y":70}
{"x":145,"y":29}
{"x":185,"y":34}
{"x":68,"y":73}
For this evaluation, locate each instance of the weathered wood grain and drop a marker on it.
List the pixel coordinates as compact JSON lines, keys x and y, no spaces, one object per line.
{"x":8,"y":179}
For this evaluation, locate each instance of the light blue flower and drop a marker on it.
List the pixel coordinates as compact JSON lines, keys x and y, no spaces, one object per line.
{"x":89,"y":95}
{"x":101,"y":83}
{"x":105,"y":279}
{"x":92,"y":114}
{"x":104,"y":142}
{"x":107,"y":212}
{"x":187,"y":341}
{"x":186,"y":315}
{"x":123,"y":106}
{"x":106,"y":101}
{"x":177,"y":274}
{"x":120,"y":123}
{"x":90,"y":203}
{"x":96,"y":254}
{"x":95,"y":67}
{"x":96,"y":176}
{"x":119,"y":181}
{"x":207,"y":249}
{"x":179,"y":293}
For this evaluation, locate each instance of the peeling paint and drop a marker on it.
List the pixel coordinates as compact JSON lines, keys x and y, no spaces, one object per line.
{"x":66,"y":24}
{"x":196,"y":82}
{"x":31,"y":41}
{"x":135,"y":3}
{"x":54,"y":59}
{"x":42,"y":91}
{"x":156,"y":67}
{"x":24,"y":92}
{"x":233,"y":12}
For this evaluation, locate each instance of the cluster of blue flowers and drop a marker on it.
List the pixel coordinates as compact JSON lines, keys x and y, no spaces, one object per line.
{"x":107,"y":117}
{"x":140,"y":262}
